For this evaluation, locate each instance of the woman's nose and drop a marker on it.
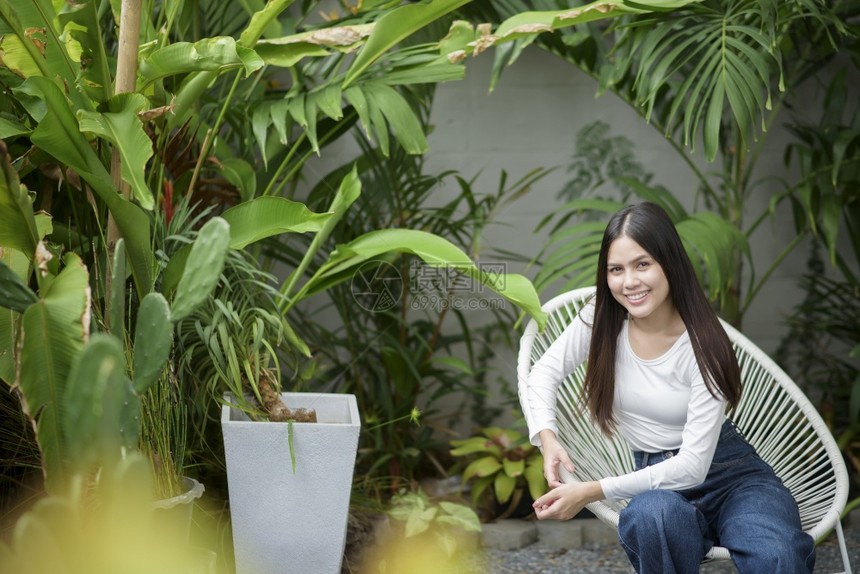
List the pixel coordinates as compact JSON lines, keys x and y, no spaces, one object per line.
{"x":630,"y":279}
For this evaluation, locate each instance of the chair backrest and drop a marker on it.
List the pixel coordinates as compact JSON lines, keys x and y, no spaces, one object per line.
{"x":774,"y":416}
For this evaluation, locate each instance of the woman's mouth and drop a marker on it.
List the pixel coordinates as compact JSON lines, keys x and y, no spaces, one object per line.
{"x":636,"y":297}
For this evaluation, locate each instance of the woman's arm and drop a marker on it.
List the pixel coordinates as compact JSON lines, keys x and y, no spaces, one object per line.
{"x":705,"y":416}
{"x":538,"y":393}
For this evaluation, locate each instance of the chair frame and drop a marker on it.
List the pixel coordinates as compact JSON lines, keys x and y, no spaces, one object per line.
{"x":775,"y":416}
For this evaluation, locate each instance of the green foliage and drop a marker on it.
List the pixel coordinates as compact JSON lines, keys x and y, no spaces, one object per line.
{"x":14,"y":293}
{"x":401,"y":321}
{"x":503,"y":465}
{"x":108,"y":526}
{"x":828,"y":154}
{"x":100,"y":410}
{"x":53,"y":332}
{"x":820,"y":350}
{"x":153,"y":339}
{"x":419,"y":514}
{"x":720,"y":73}
{"x":202,"y":268}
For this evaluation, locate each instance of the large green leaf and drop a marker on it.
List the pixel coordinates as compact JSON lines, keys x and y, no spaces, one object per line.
{"x":534,"y":476}
{"x":59,"y":135}
{"x":121,"y":126}
{"x":287,"y":51}
{"x":8,"y":319}
{"x":54,"y":331}
{"x":459,"y":515}
{"x":18,"y":263}
{"x":474,"y":444}
{"x":486,"y":466}
{"x":504,"y":486}
{"x":433,"y":250}
{"x":513,"y":468}
{"x":267,"y":216}
{"x":218,"y":54}
{"x":395,"y":26}
{"x":526,"y":24}
{"x":386,"y":102}
{"x":81,"y":24}
{"x":725,"y":54}
{"x":44,"y":52}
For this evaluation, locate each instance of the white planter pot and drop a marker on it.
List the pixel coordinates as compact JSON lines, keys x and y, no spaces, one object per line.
{"x":287,"y":522}
{"x":176,"y":512}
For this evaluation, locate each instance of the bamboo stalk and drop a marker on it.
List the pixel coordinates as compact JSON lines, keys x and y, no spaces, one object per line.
{"x":126,"y":74}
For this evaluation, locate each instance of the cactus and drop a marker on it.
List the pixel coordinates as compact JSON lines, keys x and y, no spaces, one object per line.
{"x":100,"y":411}
{"x":153,"y":338}
{"x":117,"y":288}
{"x":202,"y":269}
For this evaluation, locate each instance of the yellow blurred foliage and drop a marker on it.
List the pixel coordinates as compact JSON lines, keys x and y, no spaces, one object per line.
{"x":107,"y":526}
{"x":436,"y":551}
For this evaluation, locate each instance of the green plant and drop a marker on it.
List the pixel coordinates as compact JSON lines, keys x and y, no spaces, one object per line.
{"x":399,"y":353}
{"x":821,"y":348}
{"x":80,"y":387}
{"x":418,"y":514}
{"x":504,"y":466}
{"x":716,"y":74}
{"x":148,"y":121}
{"x":426,"y":537}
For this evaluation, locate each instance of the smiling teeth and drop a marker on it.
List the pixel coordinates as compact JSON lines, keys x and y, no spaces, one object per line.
{"x":636,"y":297}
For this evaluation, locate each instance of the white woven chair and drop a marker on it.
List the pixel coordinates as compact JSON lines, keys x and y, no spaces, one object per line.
{"x":774,"y":414}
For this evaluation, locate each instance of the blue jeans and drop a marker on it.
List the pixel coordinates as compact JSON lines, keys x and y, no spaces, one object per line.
{"x":742,"y":505}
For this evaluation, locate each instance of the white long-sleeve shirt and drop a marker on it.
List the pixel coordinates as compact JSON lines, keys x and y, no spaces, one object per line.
{"x":660,"y":404}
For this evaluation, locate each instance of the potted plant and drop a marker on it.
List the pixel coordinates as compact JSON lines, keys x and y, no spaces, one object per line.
{"x":82,"y":383}
{"x":112,"y":141}
{"x":296,"y":456}
{"x":504,"y":470}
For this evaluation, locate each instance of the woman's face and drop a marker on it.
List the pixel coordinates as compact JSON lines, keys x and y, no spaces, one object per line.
{"x":636,"y":280}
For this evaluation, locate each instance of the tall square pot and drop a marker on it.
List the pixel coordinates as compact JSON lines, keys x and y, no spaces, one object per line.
{"x":287,"y":522}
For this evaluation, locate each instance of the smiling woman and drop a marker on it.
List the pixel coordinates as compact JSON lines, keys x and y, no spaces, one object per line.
{"x":661,"y":371}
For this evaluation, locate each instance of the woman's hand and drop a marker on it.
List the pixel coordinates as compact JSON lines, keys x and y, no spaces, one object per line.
{"x":565,"y":502}
{"x":553,"y":455}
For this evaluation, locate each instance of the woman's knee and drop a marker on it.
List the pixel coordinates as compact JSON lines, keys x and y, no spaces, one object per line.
{"x":660,"y":513}
{"x":655,"y":503}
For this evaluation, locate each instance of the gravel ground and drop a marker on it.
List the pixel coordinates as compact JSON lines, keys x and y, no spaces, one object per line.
{"x":593,"y":559}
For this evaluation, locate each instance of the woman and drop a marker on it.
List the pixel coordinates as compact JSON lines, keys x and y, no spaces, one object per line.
{"x":661,"y":372}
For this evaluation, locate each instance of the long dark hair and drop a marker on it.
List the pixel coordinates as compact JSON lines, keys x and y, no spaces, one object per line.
{"x":650,"y":226}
